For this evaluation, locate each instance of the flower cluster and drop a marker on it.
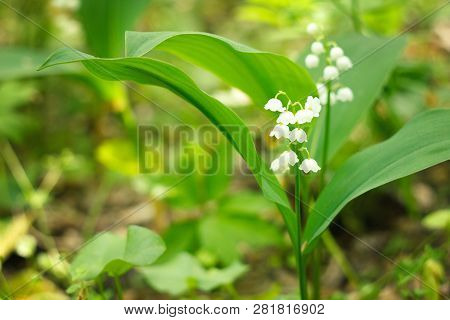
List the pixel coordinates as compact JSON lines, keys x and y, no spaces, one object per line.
{"x":336,"y":63}
{"x":291,"y":122}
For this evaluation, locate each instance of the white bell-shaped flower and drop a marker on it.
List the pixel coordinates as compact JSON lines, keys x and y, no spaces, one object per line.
{"x":280,"y":131}
{"x":304,"y":116}
{"x":317,"y":47}
{"x":321,"y":88}
{"x":344,"y":63}
{"x":286,"y":118}
{"x":282,"y":163}
{"x":309,"y":165}
{"x":274,"y":105}
{"x":323,"y":94}
{"x":313,"y":104}
{"x":312,"y":29}
{"x":330,"y":73}
{"x":298,"y":135}
{"x":275,"y":166}
{"x":324,"y":98}
{"x":311,"y":61}
{"x":336,"y":53}
{"x":345,"y":94}
{"x":289,"y":157}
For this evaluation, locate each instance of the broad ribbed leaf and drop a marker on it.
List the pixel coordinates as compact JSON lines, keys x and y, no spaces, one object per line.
{"x":105,"y":21}
{"x":374,"y":59}
{"x":153,"y":72}
{"x":259,"y":74}
{"x":421,"y":143}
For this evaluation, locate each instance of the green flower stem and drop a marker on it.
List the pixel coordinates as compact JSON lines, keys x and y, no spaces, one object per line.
{"x":301,"y":268}
{"x":330,"y":243}
{"x":355,"y":16}
{"x":327,"y":136}
{"x":118,"y":286}
{"x":27,"y":189}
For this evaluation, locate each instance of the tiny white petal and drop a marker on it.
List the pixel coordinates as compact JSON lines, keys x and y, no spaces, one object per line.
{"x":345,"y":94}
{"x":336,"y":53}
{"x":323,"y":96}
{"x":311,"y":61}
{"x":313,"y":104}
{"x":288,"y":158}
{"x":321,"y":88}
{"x":308,"y":165}
{"x":330,"y":73}
{"x":280,"y":131}
{"x":304,"y":116}
{"x":312,"y":29}
{"x":275,"y":165}
{"x":344,"y":63}
{"x":274,"y":105}
{"x":298,"y":135}
{"x":317,"y":47}
{"x":286,"y":118}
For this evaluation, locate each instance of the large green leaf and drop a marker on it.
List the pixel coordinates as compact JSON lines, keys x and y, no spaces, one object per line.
{"x":105,"y":21}
{"x":259,"y":74}
{"x":114,"y":255}
{"x":374,"y":59}
{"x":184,"y":273}
{"x":421,"y":143}
{"x":153,"y":72}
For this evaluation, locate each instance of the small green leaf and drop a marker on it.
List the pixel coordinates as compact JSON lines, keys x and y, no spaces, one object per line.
{"x":421,"y":143}
{"x":439,"y":220}
{"x":184,"y":273}
{"x":114,"y":255}
{"x":180,"y":237}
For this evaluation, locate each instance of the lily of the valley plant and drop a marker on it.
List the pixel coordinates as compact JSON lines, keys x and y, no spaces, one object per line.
{"x":420,"y":144}
{"x":295,"y":119}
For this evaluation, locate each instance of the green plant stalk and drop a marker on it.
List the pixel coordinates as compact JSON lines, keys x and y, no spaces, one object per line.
{"x":355,"y":16}
{"x":118,"y":286}
{"x":27,"y":188}
{"x":339,"y":256}
{"x":301,"y":268}
{"x":4,"y":287}
{"x":327,"y":137}
{"x":316,"y":254}
{"x":330,"y":243}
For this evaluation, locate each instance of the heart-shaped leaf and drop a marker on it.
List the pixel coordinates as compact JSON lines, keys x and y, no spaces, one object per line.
{"x":111,"y":254}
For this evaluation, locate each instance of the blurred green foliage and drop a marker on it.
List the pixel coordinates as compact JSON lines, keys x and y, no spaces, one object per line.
{"x":74,"y":136}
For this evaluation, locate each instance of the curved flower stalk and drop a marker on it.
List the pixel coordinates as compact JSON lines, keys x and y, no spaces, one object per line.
{"x":329,"y":88}
{"x":292,"y":122}
{"x":330,"y":91}
{"x":336,"y":62}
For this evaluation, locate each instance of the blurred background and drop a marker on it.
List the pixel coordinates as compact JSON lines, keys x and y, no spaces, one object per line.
{"x":68,"y":164}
